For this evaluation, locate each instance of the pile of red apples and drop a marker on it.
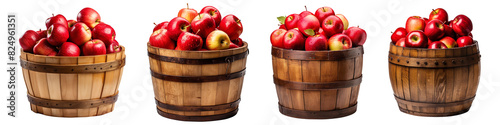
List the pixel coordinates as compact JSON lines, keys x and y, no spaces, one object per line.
{"x":193,"y":31}
{"x":435,"y":32}
{"x":322,"y":30}
{"x":86,"y":36}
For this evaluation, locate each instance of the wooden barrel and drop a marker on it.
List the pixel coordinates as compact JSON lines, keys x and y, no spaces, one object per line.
{"x":72,"y":86}
{"x":434,"y":82}
{"x":317,"y":84}
{"x":197,"y":85}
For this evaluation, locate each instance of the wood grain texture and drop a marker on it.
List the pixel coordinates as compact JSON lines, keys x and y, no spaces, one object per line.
{"x":197,"y":93}
{"x":71,"y":86}
{"x":446,"y":90}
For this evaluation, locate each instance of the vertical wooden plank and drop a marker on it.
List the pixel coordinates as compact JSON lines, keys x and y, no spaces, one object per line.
{"x":471,"y":82}
{"x":406,"y":79}
{"x":440,"y":81}
{"x":450,"y":80}
{"x":192,"y":91}
{"x":27,"y":81}
{"x":35,"y":83}
{"x":311,"y":72}
{"x":235,"y":84}
{"x":282,"y":70}
{"x":223,"y":86}
{"x":41,"y":81}
{"x":422,"y":81}
{"x":329,"y":73}
{"x":173,"y":90}
{"x":97,"y":84}
{"x":209,"y":89}
{"x":69,"y":86}
{"x":345,"y":72}
{"x":399,"y":78}
{"x":109,"y":85}
{"x":357,"y":73}
{"x":54,"y":86}
{"x":155,"y":66}
{"x":84,"y":83}
{"x":116,"y":81}
{"x":413,"y":79}
{"x":295,"y":74}
{"x":430,"y":81}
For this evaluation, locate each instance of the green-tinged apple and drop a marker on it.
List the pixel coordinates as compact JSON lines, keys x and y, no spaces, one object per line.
{"x":217,"y":40}
{"x":44,"y":48}
{"x":71,"y":23}
{"x":57,"y":34}
{"x":189,"y":41}
{"x":232,"y":26}
{"x":294,"y":40}
{"x":203,"y":25}
{"x":449,"y":42}
{"x":344,"y":21}
{"x":69,"y":49}
{"x":339,"y":42}
{"x":415,"y":23}
{"x":94,"y":47}
{"x":187,"y":13}
{"x":357,"y":35}
{"x":160,"y":39}
{"x":316,"y":43}
{"x":309,"y":25}
{"x":79,"y":34}
{"x":89,"y":16}
{"x":277,"y":38}
{"x":29,"y":40}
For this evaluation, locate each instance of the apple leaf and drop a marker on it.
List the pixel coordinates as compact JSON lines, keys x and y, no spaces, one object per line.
{"x":310,"y":32}
{"x":282,"y":19}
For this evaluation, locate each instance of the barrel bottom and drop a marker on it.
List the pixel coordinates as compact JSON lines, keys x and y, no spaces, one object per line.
{"x":198,"y":118}
{"x":415,"y":113}
{"x":433,"y":109}
{"x":318,"y":114}
{"x":73,"y":113}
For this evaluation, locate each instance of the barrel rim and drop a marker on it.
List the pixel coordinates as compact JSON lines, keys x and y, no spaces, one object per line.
{"x":245,"y":45}
{"x":317,"y":55}
{"x":475,"y":44}
{"x":73,"y":57}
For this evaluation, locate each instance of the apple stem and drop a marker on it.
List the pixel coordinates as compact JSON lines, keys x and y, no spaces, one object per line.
{"x":323,"y":9}
{"x":52,"y":14}
{"x":305,"y":7}
{"x":154,"y":23}
{"x":187,"y":5}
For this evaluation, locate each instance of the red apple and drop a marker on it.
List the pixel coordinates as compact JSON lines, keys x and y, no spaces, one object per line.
{"x":448,"y":31}
{"x":104,"y":32}
{"x":71,"y":23}
{"x":56,"y":19}
{"x":29,"y":40}
{"x":309,"y":25}
{"x":401,"y":42}
{"x":437,"y":45}
{"x":339,"y":42}
{"x":238,"y":42}
{"x":416,"y":39}
{"x":434,"y":30}
{"x":187,"y":13}
{"x":162,"y":25}
{"x":114,"y":47}
{"x":344,"y":20}
{"x":94,"y":47}
{"x":44,"y":48}
{"x":57,"y":34}
{"x":89,"y":16}
{"x":203,"y":25}
{"x":357,"y":35}
{"x":294,"y":40}
{"x":322,"y":32}
{"x":464,"y":41}
{"x":42,"y":33}
{"x":282,"y":26}
{"x":398,"y":34}
{"x":462,"y":25}
{"x":277,"y":38}
{"x":332,"y":25}
{"x":232,"y":45}
{"x":426,"y":20}
{"x":449,"y":42}
{"x":316,"y":43}
{"x":470,"y":34}
{"x":176,"y":26}
{"x":69,"y":49}
{"x":439,"y":14}
{"x":292,"y":21}
{"x":189,"y":41}
{"x":217,"y":40}
{"x":415,"y":23}
{"x":160,"y":39}
{"x":79,"y":34}
{"x":305,"y":13}
{"x":214,"y":12}
{"x":323,"y":12}
{"x":232,"y":26}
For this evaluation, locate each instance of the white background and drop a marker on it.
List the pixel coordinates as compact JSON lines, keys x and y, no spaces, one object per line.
{"x":133,"y":23}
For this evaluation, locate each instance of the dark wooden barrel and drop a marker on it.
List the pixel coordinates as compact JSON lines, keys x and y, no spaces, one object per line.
{"x":197,"y":85}
{"x":317,"y":84}
{"x":434,"y":82}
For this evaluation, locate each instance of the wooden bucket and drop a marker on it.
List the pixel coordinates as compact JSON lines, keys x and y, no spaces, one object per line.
{"x":197,"y":85}
{"x":317,"y":84}
{"x":434,"y":82}
{"x":72,"y":86}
